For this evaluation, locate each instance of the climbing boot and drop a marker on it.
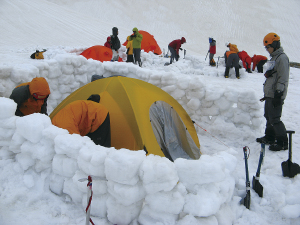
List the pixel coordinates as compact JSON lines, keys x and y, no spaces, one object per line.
{"x":265,"y":140}
{"x":226,"y":75}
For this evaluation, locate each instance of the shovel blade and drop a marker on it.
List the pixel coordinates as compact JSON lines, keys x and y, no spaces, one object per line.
{"x":290,"y":169}
{"x":246,"y":201}
{"x":257,"y":187}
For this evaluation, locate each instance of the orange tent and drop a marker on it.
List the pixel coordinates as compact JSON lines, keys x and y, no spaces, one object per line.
{"x":98,"y":52}
{"x":149,"y":44}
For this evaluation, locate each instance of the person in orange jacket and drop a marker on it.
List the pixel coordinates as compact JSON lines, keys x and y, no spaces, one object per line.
{"x":129,"y":50}
{"x":259,"y":61}
{"x":31,"y":97}
{"x":108,"y":42}
{"x":246,"y":59}
{"x":87,"y":118}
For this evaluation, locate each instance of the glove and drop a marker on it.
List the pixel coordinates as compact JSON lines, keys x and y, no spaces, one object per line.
{"x":268,"y":73}
{"x":133,"y":35}
{"x":276,"y":101}
{"x":180,"y":49}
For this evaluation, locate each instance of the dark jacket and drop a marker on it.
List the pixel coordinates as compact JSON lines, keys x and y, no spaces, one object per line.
{"x":115,"y":42}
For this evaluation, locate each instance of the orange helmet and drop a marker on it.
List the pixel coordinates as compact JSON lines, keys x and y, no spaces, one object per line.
{"x":270,"y":37}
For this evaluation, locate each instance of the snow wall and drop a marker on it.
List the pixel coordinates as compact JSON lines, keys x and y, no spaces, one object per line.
{"x":124,"y":181}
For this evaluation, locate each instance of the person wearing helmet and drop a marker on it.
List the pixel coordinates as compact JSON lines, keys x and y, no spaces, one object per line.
{"x":136,"y":39}
{"x":174,"y":47}
{"x":31,"y":97}
{"x":212,"y":51}
{"x":275,"y":91}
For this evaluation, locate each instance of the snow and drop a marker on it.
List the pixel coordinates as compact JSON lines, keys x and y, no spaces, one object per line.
{"x":41,"y":164}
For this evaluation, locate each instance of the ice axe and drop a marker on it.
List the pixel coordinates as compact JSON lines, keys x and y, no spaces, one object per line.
{"x":246,"y":201}
{"x":206,"y":55}
{"x":290,"y":169}
{"x":256,"y":185}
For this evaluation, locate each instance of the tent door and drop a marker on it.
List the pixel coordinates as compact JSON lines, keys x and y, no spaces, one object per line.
{"x":171,"y":133}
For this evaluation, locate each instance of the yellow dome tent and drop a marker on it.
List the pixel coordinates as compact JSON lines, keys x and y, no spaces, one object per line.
{"x":142,"y":116}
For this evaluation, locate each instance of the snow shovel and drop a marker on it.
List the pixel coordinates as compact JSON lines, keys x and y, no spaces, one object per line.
{"x":246,"y":201}
{"x":290,"y":169}
{"x":257,"y":187}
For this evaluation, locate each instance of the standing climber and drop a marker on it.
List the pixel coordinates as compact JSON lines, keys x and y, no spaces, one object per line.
{"x":275,"y":91}
{"x":115,"y":44}
{"x":136,"y":39}
{"x":212,"y":51}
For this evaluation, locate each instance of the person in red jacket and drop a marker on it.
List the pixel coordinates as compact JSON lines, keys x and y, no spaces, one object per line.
{"x":212,"y":51}
{"x":174,"y":47}
{"x":259,"y":61}
{"x":246,"y":59}
{"x":108,"y":42}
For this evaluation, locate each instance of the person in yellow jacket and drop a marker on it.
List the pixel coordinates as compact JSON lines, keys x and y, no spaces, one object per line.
{"x":129,"y":50}
{"x":31,"y":97}
{"x":87,"y":118}
{"x":232,"y":47}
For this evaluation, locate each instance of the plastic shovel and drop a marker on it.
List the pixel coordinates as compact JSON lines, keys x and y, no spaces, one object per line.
{"x":290,"y":169}
{"x":246,"y":201}
{"x":256,"y":185}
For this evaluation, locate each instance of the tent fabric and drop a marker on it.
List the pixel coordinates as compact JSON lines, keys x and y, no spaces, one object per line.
{"x":128,"y":101}
{"x":171,"y":133}
{"x":149,"y":43}
{"x":98,"y":52}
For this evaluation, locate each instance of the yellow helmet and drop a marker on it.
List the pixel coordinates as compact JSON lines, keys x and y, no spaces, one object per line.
{"x":270,"y":37}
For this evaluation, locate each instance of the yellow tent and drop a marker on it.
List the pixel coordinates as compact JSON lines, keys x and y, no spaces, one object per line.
{"x":142,"y":116}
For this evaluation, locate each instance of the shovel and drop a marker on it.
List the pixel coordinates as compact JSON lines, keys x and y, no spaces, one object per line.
{"x":290,"y":169}
{"x":256,"y":185}
{"x":246,"y":201}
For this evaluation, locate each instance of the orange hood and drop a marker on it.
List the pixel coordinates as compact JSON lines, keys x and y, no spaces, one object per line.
{"x":40,"y":86}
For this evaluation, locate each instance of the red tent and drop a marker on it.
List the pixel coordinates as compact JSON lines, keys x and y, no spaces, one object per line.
{"x":148,"y":44}
{"x":98,"y":52}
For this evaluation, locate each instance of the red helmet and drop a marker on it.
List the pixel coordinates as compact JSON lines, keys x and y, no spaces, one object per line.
{"x":183,"y":40}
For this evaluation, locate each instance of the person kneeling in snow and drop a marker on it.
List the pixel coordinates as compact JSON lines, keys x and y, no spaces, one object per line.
{"x":31,"y":97}
{"x":87,"y":118}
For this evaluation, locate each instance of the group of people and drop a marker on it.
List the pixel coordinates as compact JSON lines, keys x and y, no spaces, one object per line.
{"x":83,"y":117}
{"x":232,"y":57}
{"x":133,"y":46}
{"x":90,"y":118}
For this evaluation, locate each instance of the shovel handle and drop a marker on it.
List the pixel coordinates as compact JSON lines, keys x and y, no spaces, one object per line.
{"x":261,"y":157}
{"x":290,"y":132}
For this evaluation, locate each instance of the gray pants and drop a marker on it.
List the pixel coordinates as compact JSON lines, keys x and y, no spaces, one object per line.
{"x":274,"y":126}
{"x":173,"y":54}
{"x":232,"y":60}
{"x":137,"y":55}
